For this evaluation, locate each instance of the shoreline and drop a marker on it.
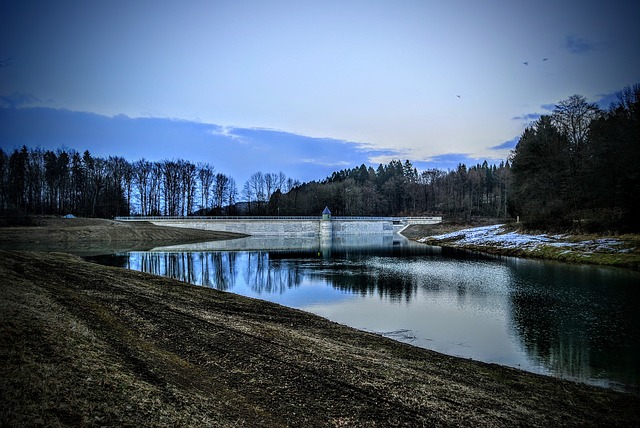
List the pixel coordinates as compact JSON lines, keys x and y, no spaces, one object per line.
{"x":503,"y":240}
{"x":91,"y":344}
{"x":96,"y":236}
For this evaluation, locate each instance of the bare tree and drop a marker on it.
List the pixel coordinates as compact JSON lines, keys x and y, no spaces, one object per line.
{"x":98,"y":182}
{"x":257,"y":183}
{"x":142,"y":170}
{"x":188,"y":174}
{"x":155,"y":189}
{"x":171,"y":182}
{"x":206,"y":177}
{"x":281,"y":181}
{"x":232,"y":193}
{"x":120,"y":176}
{"x":573,"y":116}
{"x":270,"y":184}
{"x":220,"y":191}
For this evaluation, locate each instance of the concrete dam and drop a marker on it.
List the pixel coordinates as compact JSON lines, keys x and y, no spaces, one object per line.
{"x":326,"y":225}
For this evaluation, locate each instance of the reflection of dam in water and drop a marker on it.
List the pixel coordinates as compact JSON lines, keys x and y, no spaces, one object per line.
{"x":292,"y":226}
{"x":322,"y":243}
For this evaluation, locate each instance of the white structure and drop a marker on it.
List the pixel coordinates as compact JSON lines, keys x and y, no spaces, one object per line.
{"x":325,"y":226}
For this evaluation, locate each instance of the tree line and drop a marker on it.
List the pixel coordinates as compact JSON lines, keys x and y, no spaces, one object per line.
{"x":35,"y":181}
{"x":47,"y":182}
{"x":574,"y":168}
{"x":398,"y":188}
{"x":578,"y":168}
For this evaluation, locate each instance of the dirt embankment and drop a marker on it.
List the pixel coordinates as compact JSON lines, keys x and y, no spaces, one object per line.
{"x":87,"y":345}
{"x":94,"y":236}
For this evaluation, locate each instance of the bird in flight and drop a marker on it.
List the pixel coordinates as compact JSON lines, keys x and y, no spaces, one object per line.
{"x":458,"y":96}
{"x":526,"y":63}
{"x":545,"y":59}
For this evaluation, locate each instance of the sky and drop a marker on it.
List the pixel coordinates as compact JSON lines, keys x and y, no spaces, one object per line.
{"x":303,"y":87}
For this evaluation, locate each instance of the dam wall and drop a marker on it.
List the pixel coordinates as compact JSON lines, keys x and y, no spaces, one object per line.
{"x":254,"y":227}
{"x":290,"y":226}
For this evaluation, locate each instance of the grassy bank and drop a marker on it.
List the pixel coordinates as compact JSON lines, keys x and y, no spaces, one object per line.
{"x":87,"y":345}
{"x":619,"y":251}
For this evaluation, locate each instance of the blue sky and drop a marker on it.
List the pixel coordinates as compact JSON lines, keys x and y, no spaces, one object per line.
{"x":303,"y":87}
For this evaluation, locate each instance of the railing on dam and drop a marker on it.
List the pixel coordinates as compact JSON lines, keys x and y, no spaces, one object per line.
{"x":215,"y":217}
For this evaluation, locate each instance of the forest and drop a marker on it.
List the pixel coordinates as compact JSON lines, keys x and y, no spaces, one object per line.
{"x":575,"y":169}
{"x":578,"y":169}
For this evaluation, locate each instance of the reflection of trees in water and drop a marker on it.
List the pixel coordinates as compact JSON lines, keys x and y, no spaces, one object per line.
{"x":268,"y":276}
{"x":199,"y":268}
{"x":551,"y":337}
{"x":367,"y":281}
{"x":582,"y":330}
{"x":220,"y":269}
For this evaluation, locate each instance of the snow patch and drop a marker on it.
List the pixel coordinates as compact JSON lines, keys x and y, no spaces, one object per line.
{"x":497,"y":236}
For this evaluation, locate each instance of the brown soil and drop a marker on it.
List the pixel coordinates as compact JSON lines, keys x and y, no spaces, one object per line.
{"x":89,"y":345}
{"x":86,"y":236}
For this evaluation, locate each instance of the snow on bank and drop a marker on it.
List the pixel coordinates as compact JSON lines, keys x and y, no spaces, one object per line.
{"x":498,"y":236}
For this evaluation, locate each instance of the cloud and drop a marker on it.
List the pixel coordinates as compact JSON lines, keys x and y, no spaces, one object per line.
{"x":528,"y":117}
{"x":577,"y":45}
{"x":18,"y":100}
{"x":237,"y":152}
{"x":605,"y":101}
{"x":506,"y":145}
{"x":338,"y":164}
{"x":532,"y":117}
{"x":450,"y":161}
{"x":225,"y":131}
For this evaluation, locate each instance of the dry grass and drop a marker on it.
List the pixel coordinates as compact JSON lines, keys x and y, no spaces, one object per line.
{"x":87,"y":236}
{"x":626,"y":255}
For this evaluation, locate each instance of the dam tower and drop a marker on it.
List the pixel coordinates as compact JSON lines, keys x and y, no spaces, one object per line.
{"x":326,"y":227}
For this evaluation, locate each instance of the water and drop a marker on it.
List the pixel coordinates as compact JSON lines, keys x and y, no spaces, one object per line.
{"x":571,"y":321}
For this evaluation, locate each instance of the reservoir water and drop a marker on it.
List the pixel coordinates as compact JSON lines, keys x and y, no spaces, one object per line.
{"x":571,"y":321}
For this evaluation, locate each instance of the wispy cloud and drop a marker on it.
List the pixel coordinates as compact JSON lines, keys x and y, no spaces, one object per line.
{"x":532,"y":117}
{"x":226,"y":132}
{"x":336,"y":164}
{"x":528,"y":117}
{"x":18,"y":100}
{"x":450,"y":161}
{"x":605,"y":101}
{"x":443,"y":162}
{"x":506,"y":145}
{"x":578,"y":45}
